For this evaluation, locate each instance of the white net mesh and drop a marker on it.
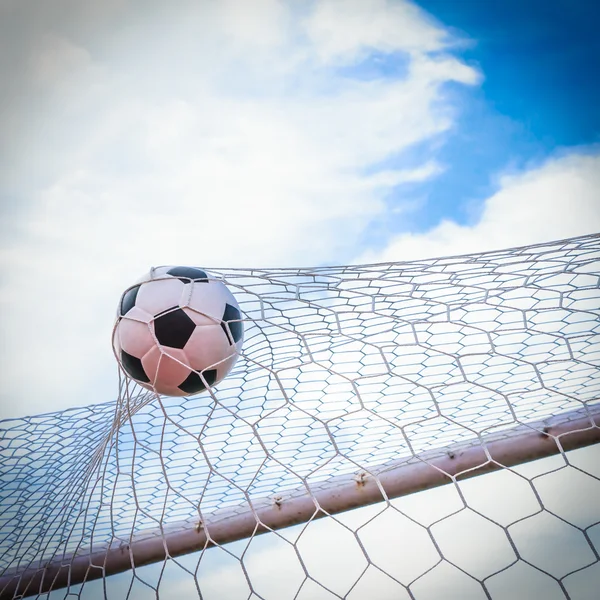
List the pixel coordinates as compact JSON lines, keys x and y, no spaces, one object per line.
{"x":357,"y":385}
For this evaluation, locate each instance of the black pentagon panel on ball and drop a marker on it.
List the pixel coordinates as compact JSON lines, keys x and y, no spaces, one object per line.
{"x":128,"y":300}
{"x":186,"y":274}
{"x":234,"y":328}
{"x":173,"y":329}
{"x":133,"y":367}
{"x":194,"y":384}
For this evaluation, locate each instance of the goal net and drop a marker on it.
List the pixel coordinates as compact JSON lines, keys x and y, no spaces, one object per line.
{"x":359,"y":390}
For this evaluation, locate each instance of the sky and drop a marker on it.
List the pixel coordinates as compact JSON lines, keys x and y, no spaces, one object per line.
{"x":267,"y":133}
{"x":270,"y":133}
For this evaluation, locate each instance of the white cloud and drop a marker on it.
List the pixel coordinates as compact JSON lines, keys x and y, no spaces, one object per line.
{"x":557,"y":200}
{"x":344,"y":29}
{"x":203,"y":136}
{"x":55,"y":58}
{"x":210,"y":134}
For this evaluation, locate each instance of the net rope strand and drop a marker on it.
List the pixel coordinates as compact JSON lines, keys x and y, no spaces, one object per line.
{"x":356,"y":385}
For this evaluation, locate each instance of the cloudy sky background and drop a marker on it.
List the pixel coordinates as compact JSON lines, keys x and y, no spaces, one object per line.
{"x":269,"y":133}
{"x":264,"y":133}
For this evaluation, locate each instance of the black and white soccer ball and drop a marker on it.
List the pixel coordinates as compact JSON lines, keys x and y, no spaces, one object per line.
{"x":178,"y":331}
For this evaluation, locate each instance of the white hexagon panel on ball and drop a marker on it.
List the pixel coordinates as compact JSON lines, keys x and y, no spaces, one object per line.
{"x":178,"y":331}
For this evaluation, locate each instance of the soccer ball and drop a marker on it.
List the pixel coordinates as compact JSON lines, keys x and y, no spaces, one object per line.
{"x":178,"y":331}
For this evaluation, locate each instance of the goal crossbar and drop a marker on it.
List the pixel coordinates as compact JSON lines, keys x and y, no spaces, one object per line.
{"x":455,"y":462}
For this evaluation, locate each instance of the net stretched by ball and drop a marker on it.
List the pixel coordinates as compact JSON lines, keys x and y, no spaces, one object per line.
{"x":384,"y":388}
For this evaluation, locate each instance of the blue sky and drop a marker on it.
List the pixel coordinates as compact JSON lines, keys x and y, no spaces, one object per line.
{"x":539,"y":58}
{"x":538,"y":97}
